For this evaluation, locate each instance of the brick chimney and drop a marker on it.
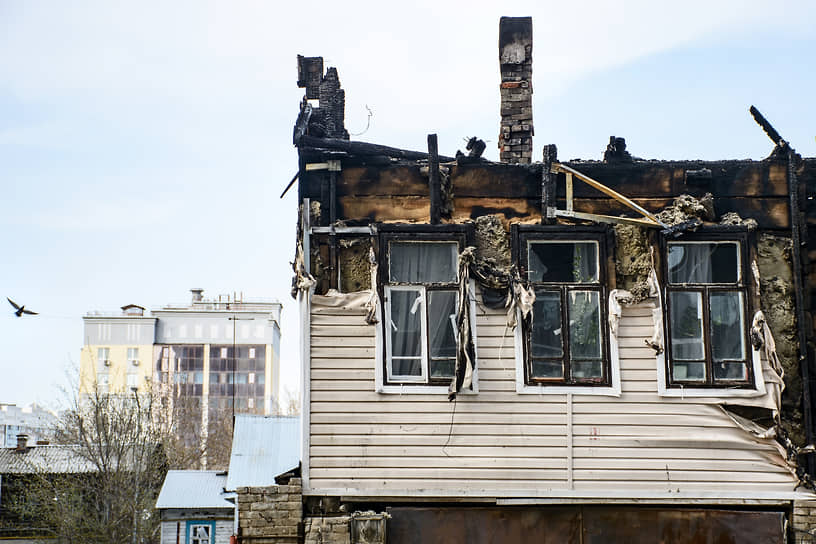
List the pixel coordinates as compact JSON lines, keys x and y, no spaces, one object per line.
{"x":516,"y":64}
{"x":22,"y":442}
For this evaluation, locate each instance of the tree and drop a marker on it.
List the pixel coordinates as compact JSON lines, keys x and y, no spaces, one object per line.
{"x":104,"y":485}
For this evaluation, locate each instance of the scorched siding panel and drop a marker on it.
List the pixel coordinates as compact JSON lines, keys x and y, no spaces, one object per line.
{"x":503,"y":443}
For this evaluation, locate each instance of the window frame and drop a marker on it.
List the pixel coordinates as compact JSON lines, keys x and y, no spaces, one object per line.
{"x":199,"y":522}
{"x":523,"y":236}
{"x":385,"y":381}
{"x":744,"y":284}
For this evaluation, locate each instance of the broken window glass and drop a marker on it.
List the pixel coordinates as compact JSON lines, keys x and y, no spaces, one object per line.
{"x":565,"y":340}
{"x":200,"y":533}
{"x":707,"y":308}
{"x":421,"y":302}
{"x":563,"y":261}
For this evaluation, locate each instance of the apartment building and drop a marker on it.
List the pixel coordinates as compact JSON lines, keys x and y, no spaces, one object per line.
{"x":223,"y":352}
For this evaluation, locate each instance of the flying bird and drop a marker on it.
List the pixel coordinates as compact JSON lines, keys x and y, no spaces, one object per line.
{"x":20,"y":310}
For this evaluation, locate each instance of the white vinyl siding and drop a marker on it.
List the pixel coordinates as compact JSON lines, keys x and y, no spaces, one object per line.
{"x":501,"y":443}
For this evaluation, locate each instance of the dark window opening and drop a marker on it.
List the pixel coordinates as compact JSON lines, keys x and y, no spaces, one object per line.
{"x":565,"y":339}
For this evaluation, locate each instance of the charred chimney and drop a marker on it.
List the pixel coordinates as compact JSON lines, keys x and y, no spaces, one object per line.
{"x":516,"y":65}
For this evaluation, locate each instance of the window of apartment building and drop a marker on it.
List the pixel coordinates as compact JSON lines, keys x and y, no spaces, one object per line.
{"x":132,"y":380}
{"x":419,"y":278}
{"x":103,"y":382}
{"x":103,"y":356}
{"x":565,"y":340}
{"x":707,"y":300}
{"x":133,"y":356}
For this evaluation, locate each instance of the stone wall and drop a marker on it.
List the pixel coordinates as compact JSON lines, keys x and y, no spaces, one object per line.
{"x":271,"y":515}
{"x":804,"y":522}
{"x":327,"y":530}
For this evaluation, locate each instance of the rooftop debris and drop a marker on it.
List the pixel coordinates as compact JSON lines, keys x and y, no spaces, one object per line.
{"x":689,"y":211}
{"x":616,"y":151}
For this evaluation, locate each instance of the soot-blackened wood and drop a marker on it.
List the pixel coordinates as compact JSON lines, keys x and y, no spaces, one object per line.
{"x":334,"y":280}
{"x":365,"y":148}
{"x":548,"y":185}
{"x":766,"y":126}
{"x":434,"y":185}
{"x":799,"y":294}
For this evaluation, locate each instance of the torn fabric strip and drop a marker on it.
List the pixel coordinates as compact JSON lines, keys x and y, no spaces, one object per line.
{"x":465,"y":349}
{"x":303,"y":280}
{"x":374,"y":301}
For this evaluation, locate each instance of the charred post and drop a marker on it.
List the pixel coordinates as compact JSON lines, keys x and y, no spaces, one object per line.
{"x":434,"y":184}
{"x":548,"y":184}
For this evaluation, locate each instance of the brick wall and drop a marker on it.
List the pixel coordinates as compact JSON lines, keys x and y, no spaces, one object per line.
{"x":271,"y":515}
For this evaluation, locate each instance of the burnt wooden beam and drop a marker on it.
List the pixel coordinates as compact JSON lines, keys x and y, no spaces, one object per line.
{"x":798,"y":292}
{"x":294,"y":179}
{"x":548,"y":184}
{"x":434,"y":184}
{"x":365,"y":148}
{"x":767,"y":127}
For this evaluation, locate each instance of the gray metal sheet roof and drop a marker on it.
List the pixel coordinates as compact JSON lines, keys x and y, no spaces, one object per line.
{"x":262,"y":447}
{"x":194,"y":489}
{"x":51,"y":459}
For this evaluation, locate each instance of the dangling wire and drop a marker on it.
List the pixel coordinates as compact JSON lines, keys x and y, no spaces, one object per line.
{"x":368,"y":122}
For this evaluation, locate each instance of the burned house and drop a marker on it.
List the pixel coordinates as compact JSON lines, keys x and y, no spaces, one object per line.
{"x":548,"y":350}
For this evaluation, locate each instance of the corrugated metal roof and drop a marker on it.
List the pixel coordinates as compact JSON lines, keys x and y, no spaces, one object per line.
{"x":262,"y":447}
{"x":52,"y":459}
{"x":194,"y":489}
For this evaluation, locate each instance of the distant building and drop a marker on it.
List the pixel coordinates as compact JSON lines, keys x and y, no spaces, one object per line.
{"x":117,"y":351}
{"x":217,"y":351}
{"x":34,"y":421}
{"x":195,"y":508}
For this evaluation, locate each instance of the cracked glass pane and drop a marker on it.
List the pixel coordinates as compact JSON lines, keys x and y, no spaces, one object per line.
{"x":564,"y":262}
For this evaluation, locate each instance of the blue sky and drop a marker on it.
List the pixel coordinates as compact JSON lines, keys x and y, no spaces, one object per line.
{"x":143,"y":146}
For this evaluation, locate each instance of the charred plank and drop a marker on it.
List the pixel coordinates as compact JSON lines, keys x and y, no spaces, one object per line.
{"x":365,"y":148}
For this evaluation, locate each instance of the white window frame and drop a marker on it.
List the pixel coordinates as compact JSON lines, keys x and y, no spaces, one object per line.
{"x":419,"y":389}
{"x":422,"y":308}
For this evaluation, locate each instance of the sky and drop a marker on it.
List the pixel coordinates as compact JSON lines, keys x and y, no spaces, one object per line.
{"x":144,"y":145}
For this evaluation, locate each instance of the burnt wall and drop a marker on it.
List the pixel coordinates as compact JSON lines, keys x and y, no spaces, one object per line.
{"x":399,"y":191}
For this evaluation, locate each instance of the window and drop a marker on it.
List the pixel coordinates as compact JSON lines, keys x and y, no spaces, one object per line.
{"x":103,"y":382}
{"x":200,"y":532}
{"x":420,"y":299}
{"x":565,"y":342}
{"x":133,"y":356}
{"x":103,"y":356}
{"x":707,"y":307}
